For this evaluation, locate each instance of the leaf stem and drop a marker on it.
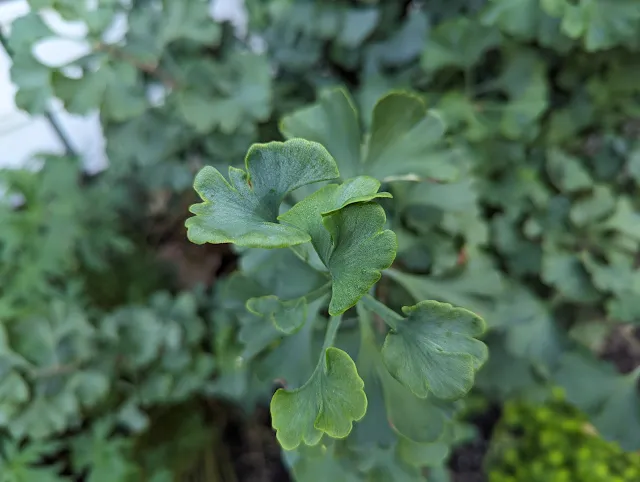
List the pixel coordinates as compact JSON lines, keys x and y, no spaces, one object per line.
{"x":49,"y":116}
{"x":300,"y":253}
{"x":329,"y":338}
{"x":318,"y":293}
{"x":389,"y":316}
{"x":332,"y":330}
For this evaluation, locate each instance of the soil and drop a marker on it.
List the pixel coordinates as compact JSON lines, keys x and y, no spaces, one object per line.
{"x":622,"y":348}
{"x":255,"y":453}
{"x":466,"y":461}
{"x":253,"y":449}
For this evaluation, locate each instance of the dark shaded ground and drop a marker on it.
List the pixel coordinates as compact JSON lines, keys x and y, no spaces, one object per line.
{"x":253,"y":448}
{"x":466,"y":462}
{"x":622,"y":348}
{"x":255,"y":453}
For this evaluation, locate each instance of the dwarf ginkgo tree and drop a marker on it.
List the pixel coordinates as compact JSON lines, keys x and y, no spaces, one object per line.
{"x":430,"y":353}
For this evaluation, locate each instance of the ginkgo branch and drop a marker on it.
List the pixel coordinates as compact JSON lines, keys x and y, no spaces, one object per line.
{"x":389,"y":316}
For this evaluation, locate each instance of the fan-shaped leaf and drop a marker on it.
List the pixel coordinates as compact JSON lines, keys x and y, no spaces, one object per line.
{"x":244,"y":210}
{"x":328,"y":403}
{"x":434,"y":349}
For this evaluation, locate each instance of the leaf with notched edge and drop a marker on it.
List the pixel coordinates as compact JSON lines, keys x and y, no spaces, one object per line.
{"x":347,"y":233}
{"x":244,"y":210}
{"x":434,"y":349}
{"x":328,"y":403}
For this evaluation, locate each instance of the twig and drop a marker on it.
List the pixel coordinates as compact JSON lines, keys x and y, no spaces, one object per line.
{"x":51,"y":118}
{"x":55,"y":370}
{"x":152,"y":69}
{"x":55,"y":125}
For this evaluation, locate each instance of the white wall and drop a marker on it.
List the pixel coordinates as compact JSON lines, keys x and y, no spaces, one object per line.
{"x":22,"y":136}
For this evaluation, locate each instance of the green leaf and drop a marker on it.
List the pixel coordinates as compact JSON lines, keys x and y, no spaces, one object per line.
{"x":321,"y":466}
{"x":405,"y":137}
{"x":309,"y":213}
{"x":526,"y":20}
{"x":612,"y":401}
{"x":392,"y":406}
{"x":105,"y":458}
{"x":454,"y":206}
{"x":458,"y":43}
{"x":361,"y":250}
{"x":565,"y":271}
{"x":634,"y":164}
{"x":383,"y":465}
{"x":591,"y":209}
{"x":241,"y":93}
{"x":531,"y":331}
{"x":26,"y":31}
{"x":22,"y":463}
{"x":505,"y":375}
{"x":567,"y":173}
{"x":244,"y":210}
{"x":279,"y":272}
{"x":421,"y":455}
{"x":524,"y":79}
{"x":14,"y":392}
{"x":293,"y":361}
{"x":433,"y":350}
{"x":333,"y":122}
{"x":475,"y":287}
{"x":434,"y":454}
{"x":625,"y":219}
{"x":358,"y":24}
{"x":190,"y":20}
{"x":255,"y":335}
{"x":287,"y":316}
{"x":346,"y":232}
{"x":328,"y":403}
{"x":602,"y":24}
{"x":519,"y":17}
{"x":402,"y":139}
{"x":113,"y":87}
{"x":34,"y":82}
{"x":405,"y":44}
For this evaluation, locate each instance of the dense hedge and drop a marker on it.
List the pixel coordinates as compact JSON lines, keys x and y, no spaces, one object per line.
{"x":554,"y":441}
{"x":529,"y":217}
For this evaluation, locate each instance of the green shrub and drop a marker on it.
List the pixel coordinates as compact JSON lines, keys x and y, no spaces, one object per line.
{"x":554,"y":441}
{"x":505,"y":130}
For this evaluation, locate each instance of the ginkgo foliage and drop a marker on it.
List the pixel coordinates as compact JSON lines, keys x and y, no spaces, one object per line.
{"x":479,"y":159}
{"x":433,"y":353}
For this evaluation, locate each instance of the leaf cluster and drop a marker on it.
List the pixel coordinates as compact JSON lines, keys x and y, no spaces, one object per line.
{"x":508,"y":177}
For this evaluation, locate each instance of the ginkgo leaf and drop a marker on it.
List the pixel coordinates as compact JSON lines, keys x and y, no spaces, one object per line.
{"x":433,"y":350}
{"x":602,"y":24}
{"x":392,"y":406}
{"x":361,"y":250}
{"x":404,"y":139}
{"x":459,"y":43}
{"x":21,"y":462}
{"x":333,"y":122}
{"x":472,"y":287}
{"x":308,"y":213}
{"x":287,"y":316}
{"x":244,"y":209}
{"x":346,"y":232}
{"x":611,"y":400}
{"x":331,"y":400}
{"x":403,"y":134}
{"x":422,"y":455}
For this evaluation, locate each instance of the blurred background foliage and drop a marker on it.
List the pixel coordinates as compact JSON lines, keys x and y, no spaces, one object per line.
{"x":125,"y":352}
